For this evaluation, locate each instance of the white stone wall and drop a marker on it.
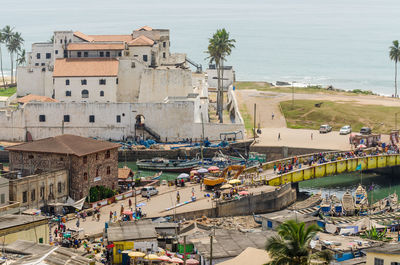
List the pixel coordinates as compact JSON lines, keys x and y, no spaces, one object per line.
{"x":129,"y":76}
{"x":92,"y":86}
{"x":229,"y":78}
{"x":41,"y":50}
{"x":36,"y":80}
{"x":157,"y":84}
{"x":173,"y":120}
{"x":137,"y":52}
{"x":61,"y":40}
{"x":94,"y":54}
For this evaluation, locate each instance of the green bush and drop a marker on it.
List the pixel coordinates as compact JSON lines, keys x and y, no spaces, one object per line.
{"x":98,"y":193}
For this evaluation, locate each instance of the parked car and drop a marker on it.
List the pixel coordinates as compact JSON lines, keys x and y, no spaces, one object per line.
{"x":150,"y":189}
{"x":345,"y":129}
{"x":325,"y":128}
{"x":365,"y":130}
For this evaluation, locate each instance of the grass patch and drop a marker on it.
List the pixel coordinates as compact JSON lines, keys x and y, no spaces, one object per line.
{"x":8,"y":91}
{"x":264,"y":86}
{"x":247,"y":118}
{"x":304,"y":115}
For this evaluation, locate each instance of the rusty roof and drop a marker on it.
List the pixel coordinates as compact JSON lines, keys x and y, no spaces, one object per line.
{"x":122,"y":38}
{"x":65,"y":144}
{"x":141,"y":41}
{"x":123,"y":173}
{"x":82,"y":36}
{"x":37,"y":98}
{"x":76,"y":67}
{"x":95,"y":46}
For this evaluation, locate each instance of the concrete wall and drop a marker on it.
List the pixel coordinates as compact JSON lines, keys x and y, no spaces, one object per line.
{"x":4,"y":192}
{"x":262,"y":203}
{"x":41,"y":50}
{"x":129,"y":78}
{"x":229,"y":78}
{"x":279,"y":152}
{"x":92,"y":86}
{"x":29,"y":232}
{"x":386,"y":257}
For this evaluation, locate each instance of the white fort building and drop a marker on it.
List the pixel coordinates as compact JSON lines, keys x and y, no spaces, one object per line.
{"x":105,"y":86}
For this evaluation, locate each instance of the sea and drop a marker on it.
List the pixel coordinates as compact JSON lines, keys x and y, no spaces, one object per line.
{"x":344,"y":43}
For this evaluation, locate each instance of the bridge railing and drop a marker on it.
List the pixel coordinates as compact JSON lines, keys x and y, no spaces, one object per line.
{"x":336,"y":167}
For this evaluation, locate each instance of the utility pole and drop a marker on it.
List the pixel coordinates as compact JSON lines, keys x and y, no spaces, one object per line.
{"x":255,"y":117}
{"x":211,"y":249}
{"x":184,"y":250}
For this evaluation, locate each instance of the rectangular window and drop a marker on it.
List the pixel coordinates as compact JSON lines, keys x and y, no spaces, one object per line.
{"x":145,"y":58}
{"x":36,"y":64}
{"x":68,"y":93}
{"x":42,"y":118}
{"x":83,"y":82}
{"x":24,"y":197}
{"x":84,"y":159}
{"x":101,"y":54}
{"x":33,"y":195}
{"x":118,"y":118}
{"x":48,"y":55}
{"x":107,"y":54}
{"x":102,"y":81}
{"x":107,"y":154}
{"x":56,"y":51}
{"x":66,"y":118}
{"x":42,"y":192}
{"x":91,"y":118}
{"x":67,"y":82}
{"x":378,"y":261}
{"x":3,"y":198}
{"x":79,"y":54}
{"x":116,"y":81}
{"x":65,"y":54}
{"x":119,"y":53}
{"x":59,"y":187}
{"x":164,"y":44}
{"x":163,"y":55}
{"x":395,"y":263}
{"x":42,"y":64}
{"x":37,"y":55}
{"x":86,"y":54}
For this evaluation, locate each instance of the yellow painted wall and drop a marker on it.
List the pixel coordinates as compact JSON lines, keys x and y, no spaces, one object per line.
{"x":352,"y":165}
{"x":371,"y":162}
{"x":287,"y":178}
{"x":381,"y":161}
{"x":121,"y":245}
{"x":341,"y":166}
{"x":298,"y":176}
{"x":388,"y":258}
{"x":42,"y":231}
{"x":275,"y":182}
{"x":320,"y":171}
{"x":363,"y":162}
{"x":331,"y":168}
{"x":397,"y":159}
{"x":391,"y":160}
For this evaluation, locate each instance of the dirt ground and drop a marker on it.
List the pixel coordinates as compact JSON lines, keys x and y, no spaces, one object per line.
{"x":268,"y":104}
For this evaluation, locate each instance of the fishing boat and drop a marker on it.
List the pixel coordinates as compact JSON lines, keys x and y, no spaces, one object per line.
{"x":361,"y":197}
{"x":312,"y":201}
{"x":337,"y":207}
{"x":166,"y":165}
{"x":257,"y":218}
{"x":388,"y":203}
{"x":326,"y":206}
{"x":348,"y":203}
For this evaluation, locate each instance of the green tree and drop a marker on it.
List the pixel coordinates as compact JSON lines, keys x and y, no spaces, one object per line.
{"x":394,"y":54}
{"x":220,"y":46}
{"x":291,"y":245}
{"x":21,"y":58}
{"x":2,"y":41}
{"x":375,"y":234}
{"x":14,"y":45}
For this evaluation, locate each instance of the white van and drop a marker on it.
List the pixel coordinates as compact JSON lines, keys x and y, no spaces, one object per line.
{"x":150,"y":189}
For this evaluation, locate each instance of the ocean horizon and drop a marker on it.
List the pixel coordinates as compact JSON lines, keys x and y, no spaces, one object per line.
{"x":340,"y":43}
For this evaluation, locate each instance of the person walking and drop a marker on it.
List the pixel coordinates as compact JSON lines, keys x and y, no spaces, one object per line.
{"x":77,"y":223}
{"x":111,"y":215}
{"x":279,"y":136}
{"x":192,"y":191}
{"x":148,"y":195}
{"x":130,"y":203}
{"x":273,"y":115}
{"x":178,"y":197}
{"x":311,"y":136}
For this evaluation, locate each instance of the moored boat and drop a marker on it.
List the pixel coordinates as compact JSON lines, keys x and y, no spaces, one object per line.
{"x":337,"y":208}
{"x":361,"y":197}
{"x":166,"y":165}
{"x":348,"y":203}
{"x":326,"y":206}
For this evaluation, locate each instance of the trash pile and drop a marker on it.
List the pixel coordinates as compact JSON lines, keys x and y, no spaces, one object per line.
{"x":230,"y":223}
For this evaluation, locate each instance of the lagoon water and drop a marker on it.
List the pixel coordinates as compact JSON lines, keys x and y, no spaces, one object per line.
{"x":339,"y":42}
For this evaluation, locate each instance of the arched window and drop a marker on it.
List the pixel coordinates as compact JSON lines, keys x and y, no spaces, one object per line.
{"x":102,"y":93}
{"x":85,"y":93}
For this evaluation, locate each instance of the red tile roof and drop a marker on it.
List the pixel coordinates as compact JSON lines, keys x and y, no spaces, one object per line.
{"x":37,"y":98}
{"x":65,"y":144}
{"x":76,"y":67}
{"x":93,"y":46}
{"x":123,"y":173}
{"x":144,"y":28}
{"x":141,"y":41}
{"x":82,"y":36}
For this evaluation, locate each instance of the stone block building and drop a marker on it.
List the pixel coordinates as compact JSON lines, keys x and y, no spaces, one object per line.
{"x":89,"y":162}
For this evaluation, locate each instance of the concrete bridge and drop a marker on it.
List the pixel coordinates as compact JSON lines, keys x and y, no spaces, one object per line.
{"x":306,"y":172}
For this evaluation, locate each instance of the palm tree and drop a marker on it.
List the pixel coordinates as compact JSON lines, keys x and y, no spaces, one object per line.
{"x":14,"y":46}
{"x":220,"y":46}
{"x":291,"y":245}
{"x":2,"y":40}
{"x":21,"y":57}
{"x":394,"y":54}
